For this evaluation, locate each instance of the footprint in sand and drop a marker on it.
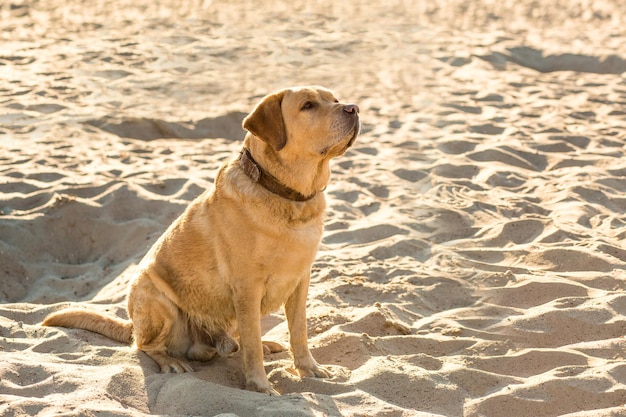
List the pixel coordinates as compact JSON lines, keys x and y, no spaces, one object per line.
{"x":487,"y":129}
{"x":37,"y":375}
{"x":46,"y":108}
{"x":578,"y":141}
{"x":11,"y":289}
{"x":456,"y":147}
{"x":166,"y":187}
{"x":510,"y":156}
{"x":47,"y":177}
{"x":227,"y":126}
{"x":410,"y":175}
{"x":515,"y":231}
{"x":534,"y":293}
{"x":535,"y":59}
{"x":112,"y":74}
{"x":416,"y":249}
{"x":365,"y":235}
{"x":529,"y":362}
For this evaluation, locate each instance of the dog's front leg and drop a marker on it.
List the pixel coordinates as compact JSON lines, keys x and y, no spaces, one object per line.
{"x":248,"y":308}
{"x":295,"y":310}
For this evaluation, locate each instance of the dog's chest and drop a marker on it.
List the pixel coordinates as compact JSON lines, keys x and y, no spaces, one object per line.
{"x":277,"y":291}
{"x":285,"y":263}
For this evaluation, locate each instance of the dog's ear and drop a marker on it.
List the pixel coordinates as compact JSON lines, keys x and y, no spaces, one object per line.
{"x":266,"y":121}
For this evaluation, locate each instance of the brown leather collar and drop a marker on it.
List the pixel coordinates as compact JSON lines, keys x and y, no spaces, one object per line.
{"x":257,"y":174}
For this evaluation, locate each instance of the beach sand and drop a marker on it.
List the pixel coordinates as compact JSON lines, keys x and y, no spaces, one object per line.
{"x":473,"y":262}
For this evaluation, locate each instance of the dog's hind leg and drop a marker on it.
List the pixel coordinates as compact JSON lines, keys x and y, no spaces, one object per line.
{"x":154,"y":337}
{"x":159,"y":328}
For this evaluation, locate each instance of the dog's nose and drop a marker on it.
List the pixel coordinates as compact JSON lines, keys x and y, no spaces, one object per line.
{"x":351,"y":108}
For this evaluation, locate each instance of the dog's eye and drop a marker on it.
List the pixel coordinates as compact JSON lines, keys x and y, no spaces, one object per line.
{"x":307,"y":105}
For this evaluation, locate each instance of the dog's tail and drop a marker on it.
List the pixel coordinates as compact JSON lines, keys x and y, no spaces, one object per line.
{"x":109,"y":326}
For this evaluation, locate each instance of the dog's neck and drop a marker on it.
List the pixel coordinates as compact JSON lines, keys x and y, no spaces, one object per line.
{"x":257,"y":174}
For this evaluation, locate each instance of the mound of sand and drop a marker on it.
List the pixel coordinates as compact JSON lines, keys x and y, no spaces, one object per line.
{"x":473,"y":260}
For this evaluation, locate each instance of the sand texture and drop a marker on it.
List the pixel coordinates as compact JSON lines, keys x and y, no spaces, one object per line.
{"x":473,"y":262}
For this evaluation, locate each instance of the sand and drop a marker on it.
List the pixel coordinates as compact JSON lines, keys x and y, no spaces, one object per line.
{"x":473,"y":262}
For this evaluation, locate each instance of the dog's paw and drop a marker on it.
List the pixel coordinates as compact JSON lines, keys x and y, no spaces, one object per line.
{"x":272,"y":347}
{"x":307,"y":366}
{"x":174,"y":366}
{"x":315,"y":371}
{"x":168,"y":364}
{"x":263,"y":387}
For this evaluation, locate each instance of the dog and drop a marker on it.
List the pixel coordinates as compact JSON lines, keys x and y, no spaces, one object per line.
{"x":242,"y":249}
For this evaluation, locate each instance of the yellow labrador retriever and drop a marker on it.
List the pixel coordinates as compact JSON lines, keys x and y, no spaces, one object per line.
{"x":242,"y":249}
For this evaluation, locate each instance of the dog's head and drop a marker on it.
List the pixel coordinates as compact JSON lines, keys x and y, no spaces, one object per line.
{"x":305,"y":120}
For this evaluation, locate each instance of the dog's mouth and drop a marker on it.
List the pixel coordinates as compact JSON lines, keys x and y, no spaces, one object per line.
{"x":355,"y":132}
{"x":346,"y":141}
